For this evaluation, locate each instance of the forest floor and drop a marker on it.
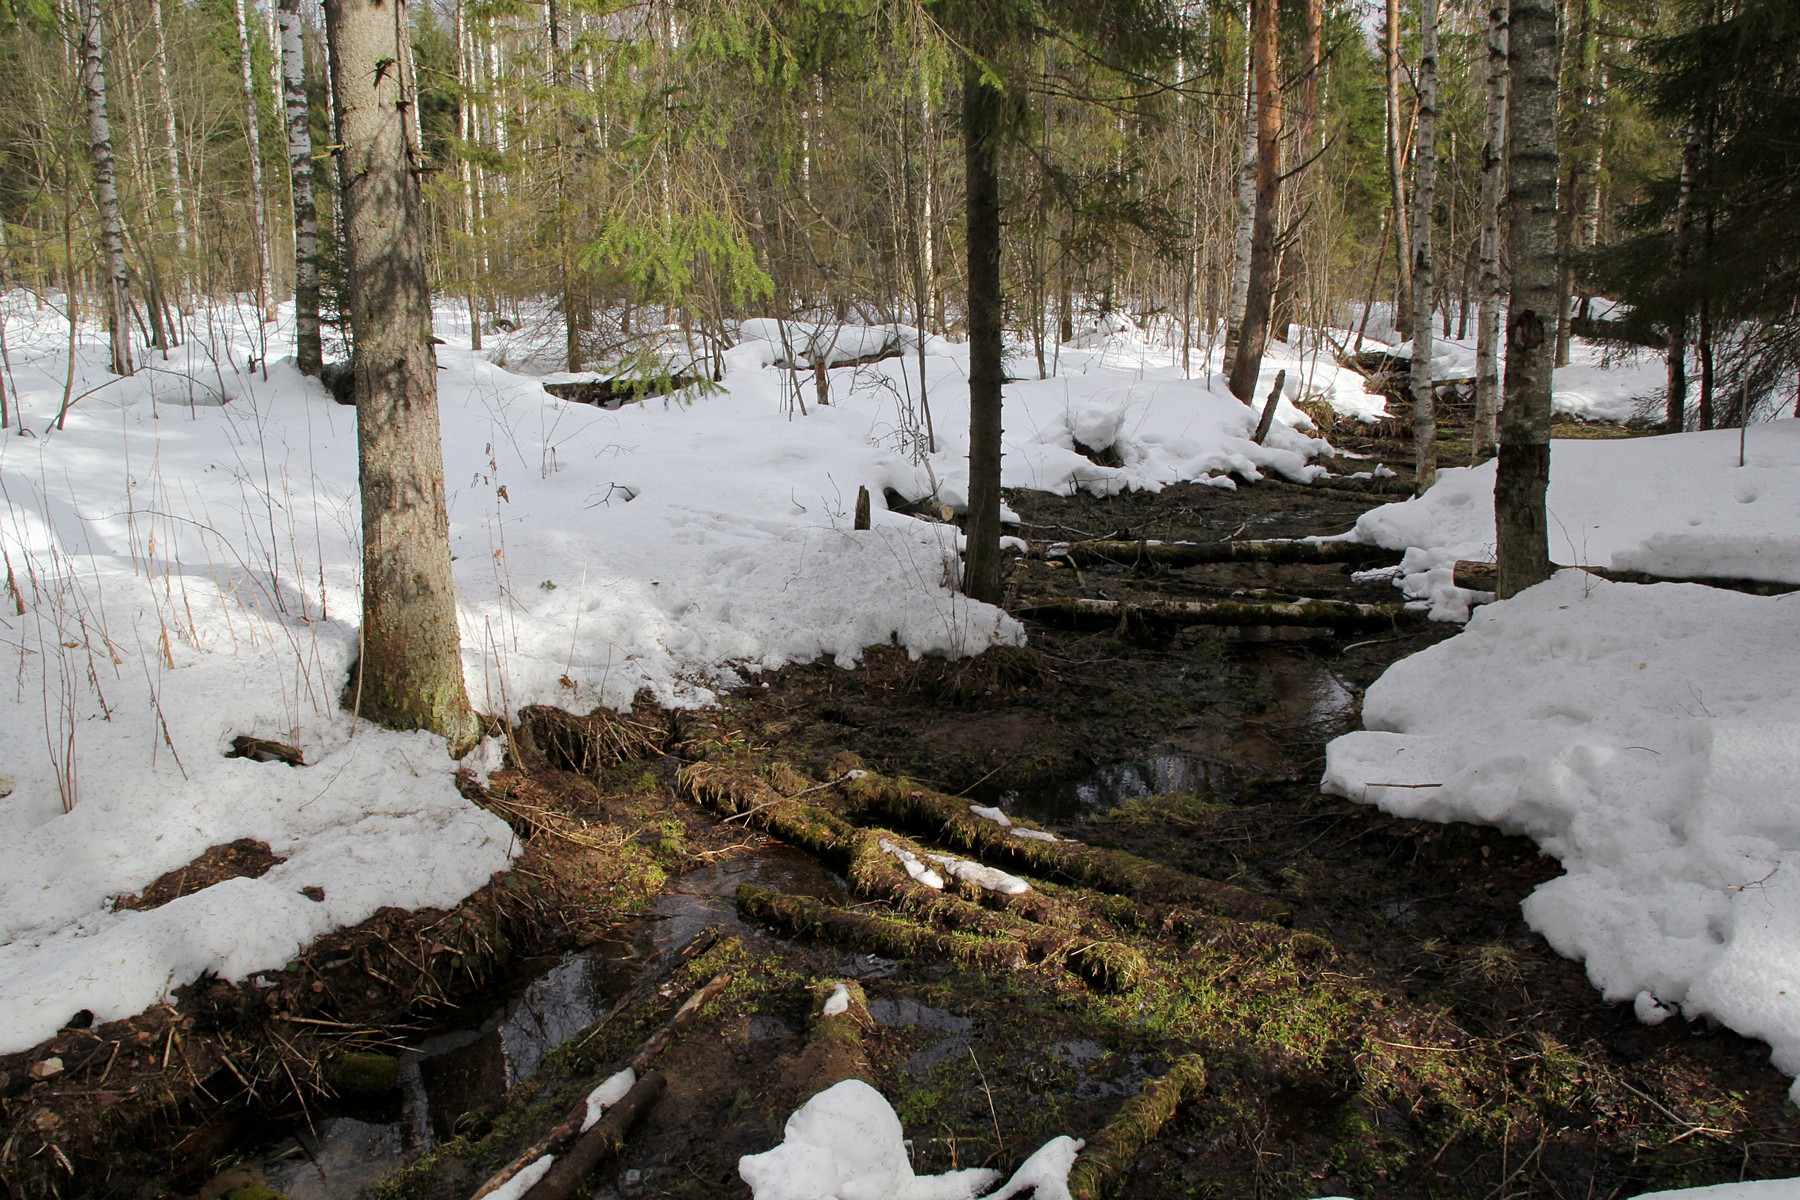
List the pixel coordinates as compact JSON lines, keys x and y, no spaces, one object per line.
{"x":1373,"y":1015}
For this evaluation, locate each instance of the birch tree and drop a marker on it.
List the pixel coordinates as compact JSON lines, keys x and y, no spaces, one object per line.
{"x":1493,"y":179}
{"x":106,"y":188}
{"x":307,"y":351}
{"x":1396,"y":165}
{"x":1260,"y":289}
{"x":259,"y":215}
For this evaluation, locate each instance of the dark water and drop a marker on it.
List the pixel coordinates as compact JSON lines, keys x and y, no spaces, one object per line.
{"x":462,"y":1075}
{"x":1288,"y":695}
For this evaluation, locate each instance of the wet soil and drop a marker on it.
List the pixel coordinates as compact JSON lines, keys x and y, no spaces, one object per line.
{"x":1401,"y":1034}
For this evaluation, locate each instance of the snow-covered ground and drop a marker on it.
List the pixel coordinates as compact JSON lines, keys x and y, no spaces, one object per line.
{"x":181,"y":568}
{"x":1648,"y":736}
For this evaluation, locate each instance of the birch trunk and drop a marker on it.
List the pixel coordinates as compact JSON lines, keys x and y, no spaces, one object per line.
{"x":106,"y":189}
{"x":1424,"y":188}
{"x":1493,"y":178}
{"x":410,"y":674}
{"x":259,"y":213}
{"x":1396,"y":164}
{"x":1259,"y":291}
{"x":307,"y":352}
{"x":1245,"y":228}
{"x":178,"y":206}
{"x":1532,"y":167}
{"x":1295,"y":259}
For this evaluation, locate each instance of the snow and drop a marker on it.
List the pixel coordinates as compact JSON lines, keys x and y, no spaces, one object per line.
{"x":610,"y":1092}
{"x":524,"y":1181}
{"x":988,"y":878}
{"x":1647,"y":737}
{"x":838,"y":1003}
{"x":1675,"y":506}
{"x":846,"y":1143}
{"x":991,"y":814}
{"x":185,"y":556}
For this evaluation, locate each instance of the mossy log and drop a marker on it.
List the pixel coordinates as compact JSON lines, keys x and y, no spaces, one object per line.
{"x":1192,"y":554}
{"x":1173,"y":614}
{"x":1110,"y":1153}
{"x":886,"y":936}
{"x":948,"y":819}
{"x":1484,"y":577}
{"x":605,"y":1139}
{"x":875,"y":874}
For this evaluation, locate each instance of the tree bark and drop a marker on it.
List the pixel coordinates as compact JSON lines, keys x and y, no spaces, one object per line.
{"x":106,"y":189}
{"x":1259,"y":292}
{"x":1524,"y":468}
{"x":1424,"y":194}
{"x":1493,"y":181}
{"x":1244,"y":230}
{"x":1675,"y":396}
{"x":981,"y":131}
{"x":1295,"y":259}
{"x":173,"y":157}
{"x":259,"y":213}
{"x":1189,"y":554}
{"x":307,"y":351}
{"x":1396,"y":164}
{"x":411,"y":673}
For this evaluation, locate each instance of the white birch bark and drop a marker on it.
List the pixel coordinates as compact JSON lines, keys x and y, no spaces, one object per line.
{"x":1424,"y":188}
{"x":166,"y":97}
{"x":1493,"y":178}
{"x":259,"y":213}
{"x":308,"y":353}
{"x":106,"y":188}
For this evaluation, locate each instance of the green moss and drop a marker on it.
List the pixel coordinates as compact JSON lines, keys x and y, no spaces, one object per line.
{"x":360,"y":1075}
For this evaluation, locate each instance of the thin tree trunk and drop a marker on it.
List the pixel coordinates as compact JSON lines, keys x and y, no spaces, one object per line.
{"x":1265,"y":21}
{"x":1294,"y":258}
{"x":106,"y":188}
{"x":981,"y":129}
{"x":1396,"y":164}
{"x":1493,"y":181}
{"x":307,"y":351}
{"x":1244,"y":231}
{"x":259,"y":213}
{"x":177,"y":205}
{"x":1520,"y":519}
{"x":1424,"y":190}
{"x":1675,"y":397}
{"x":411,"y":673}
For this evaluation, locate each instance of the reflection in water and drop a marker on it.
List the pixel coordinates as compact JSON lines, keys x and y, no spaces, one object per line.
{"x":349,"y":1157}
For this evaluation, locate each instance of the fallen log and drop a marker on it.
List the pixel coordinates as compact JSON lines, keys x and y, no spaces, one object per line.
{"x":1110,"y":1153}
{"x":806,"y":917}
{"x":1484,"y":577}
{"x":606,"y":1138}
{"x":1155,"y":615}
{"x":949,"y":820}
{"x":1383,"y":485}
{"x":568,"y":1129}
{"x":1190,"y":554}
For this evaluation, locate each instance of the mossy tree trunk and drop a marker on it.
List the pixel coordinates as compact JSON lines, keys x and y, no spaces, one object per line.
{"x":411,"y":672}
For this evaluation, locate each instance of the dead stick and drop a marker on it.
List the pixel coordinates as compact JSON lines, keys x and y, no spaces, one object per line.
{"x":560,"y":1134}
{"x":605,"y":1139}
{"x":1268,"y":413}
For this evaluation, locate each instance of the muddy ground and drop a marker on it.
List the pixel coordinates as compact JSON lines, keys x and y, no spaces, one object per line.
{"x":1373,"y":1017}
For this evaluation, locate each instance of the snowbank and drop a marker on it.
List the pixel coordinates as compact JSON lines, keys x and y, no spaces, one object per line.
{"x":1676,"y":506}
{"x":1648,"y":737}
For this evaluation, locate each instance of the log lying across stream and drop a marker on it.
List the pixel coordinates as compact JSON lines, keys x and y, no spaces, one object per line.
{"x":1190,"y":554}
{"x":1485,"y":577}
{"x":1170,"y":614}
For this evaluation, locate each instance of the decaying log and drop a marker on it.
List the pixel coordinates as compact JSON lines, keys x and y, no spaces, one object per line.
{"x":1372,"y":485}
{"x":1481,"y":577}
{"x":874,"y":873}
{"x":1191,"y":554}
{"x":1153,"y":615}
{"x":1110,"y":1153}
{"x":948,"y":819}
{"x":605,"y":1139}
{"x":884,"y":935}
{"x":566,"y":1130}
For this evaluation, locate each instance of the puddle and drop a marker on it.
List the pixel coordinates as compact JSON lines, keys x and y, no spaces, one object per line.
{"x":909,"y":1014}
{"x":1288,"y":697}
{"x":460,"y":1077}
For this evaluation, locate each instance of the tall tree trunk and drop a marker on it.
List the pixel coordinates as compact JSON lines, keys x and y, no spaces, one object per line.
{"x":1295,"y":261}
{"x":1244,"y":230}
{"x":307,"y":352}
{"x":177,"y":205}
{"x":1424,"y":194}
{"x":259,"y":213}
{"x":1493,"y":180}
{"x":1524,"y":469}
{"x":1675,"y":397}
{"x":981,"y":136}
{"x":106,"y":189}
{"x":1265,"y":21}
{"x":411,"y":673}
{"x":466,"y":133}
{"x":1396,"y":164}
{"x":1581,"y":161}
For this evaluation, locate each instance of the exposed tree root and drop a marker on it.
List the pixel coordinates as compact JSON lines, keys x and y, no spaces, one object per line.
{"x":1110,"y":1153}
